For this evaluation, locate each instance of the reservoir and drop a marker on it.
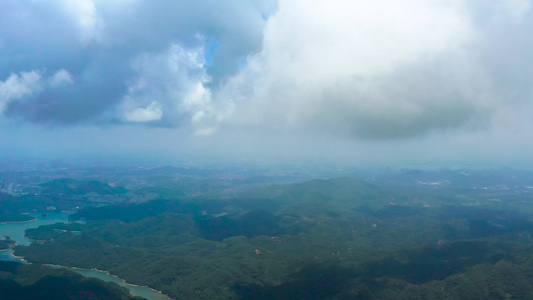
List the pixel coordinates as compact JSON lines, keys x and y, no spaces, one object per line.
{"x":16,"y":232}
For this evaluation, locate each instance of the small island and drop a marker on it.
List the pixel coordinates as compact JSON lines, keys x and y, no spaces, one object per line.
{"x":15,"y":217}
{"x":6,"y":242}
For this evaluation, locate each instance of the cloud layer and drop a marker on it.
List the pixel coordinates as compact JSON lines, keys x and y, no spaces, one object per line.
{"x":357,"y":69}
{"x":384,"y":69}
{"x":107,"y":48}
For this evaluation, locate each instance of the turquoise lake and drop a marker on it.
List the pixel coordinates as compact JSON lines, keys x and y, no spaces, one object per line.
{"x":16,"y":232}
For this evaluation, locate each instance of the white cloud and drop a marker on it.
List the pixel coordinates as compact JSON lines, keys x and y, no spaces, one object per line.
{"x":343,"y":38}
{"x":61,"y":77}
{"x":377,"y":69}
{"x":150,"y":113}
{"x":209,"y":131}
{"x":517,"y":8}
{"x":177,"y":78}
{"x":197,"y":102}
{"x":17,"y":86}
{"x":31,"y":83}
{"x":88,"y":19}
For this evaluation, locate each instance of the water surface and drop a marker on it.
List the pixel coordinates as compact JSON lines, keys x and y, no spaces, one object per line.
{"x":141,"y":291}
{"x":16,"y":230}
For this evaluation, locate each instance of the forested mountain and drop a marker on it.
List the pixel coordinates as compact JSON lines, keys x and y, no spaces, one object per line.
{"x":321,"y":239}
{"x":11,"y":208}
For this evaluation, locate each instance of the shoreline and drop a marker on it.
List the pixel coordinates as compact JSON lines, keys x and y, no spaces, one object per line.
{"x":109,"y":274}
{"x":21,"y":258}
{"x":12,"y":254}
{"x":18,"y":222}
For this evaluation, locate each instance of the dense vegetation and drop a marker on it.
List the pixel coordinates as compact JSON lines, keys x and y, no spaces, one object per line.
{"x":23,"y":282}
{"x":57,"y":195}
{"x":10,"y":209}
{"x":72,"y":187}
{"x":14,"y":217}
{"x":336,"y":239}
{"x":6,"y":243}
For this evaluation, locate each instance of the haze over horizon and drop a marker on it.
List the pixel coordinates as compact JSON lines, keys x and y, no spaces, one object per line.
{"x":374,"y":82}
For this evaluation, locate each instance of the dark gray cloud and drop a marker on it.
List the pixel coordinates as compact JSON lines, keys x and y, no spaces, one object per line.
{"x":97,"y":43}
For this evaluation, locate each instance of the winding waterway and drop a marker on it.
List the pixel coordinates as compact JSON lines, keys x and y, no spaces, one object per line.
{"x":140,"y":291}
{"x":16,"y":232}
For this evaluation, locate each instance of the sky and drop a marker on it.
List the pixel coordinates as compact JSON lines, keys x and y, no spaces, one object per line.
{"x":358,"y":82}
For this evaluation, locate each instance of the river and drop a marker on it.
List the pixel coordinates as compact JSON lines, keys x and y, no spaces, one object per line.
{"x":140,"y":291}
{"x":16,"y":232}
